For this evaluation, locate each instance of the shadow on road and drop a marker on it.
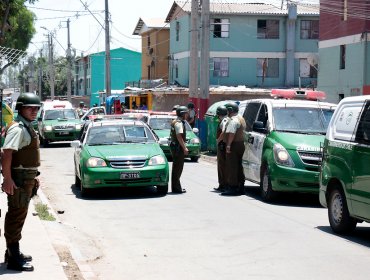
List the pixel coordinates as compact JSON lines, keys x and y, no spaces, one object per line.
{"x":361,"y":235}
{"x":286,"y":198}
{"x":118,"y":193}
{"x":57,"y":145}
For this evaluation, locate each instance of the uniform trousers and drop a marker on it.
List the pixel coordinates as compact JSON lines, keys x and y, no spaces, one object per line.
{"x":177,"y":167}
{"x":234,"y":168}
{"x":221,"y":165}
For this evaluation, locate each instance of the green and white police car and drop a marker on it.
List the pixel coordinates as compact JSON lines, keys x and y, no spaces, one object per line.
{"x":345,"y":172}
{"x":282,"y":142}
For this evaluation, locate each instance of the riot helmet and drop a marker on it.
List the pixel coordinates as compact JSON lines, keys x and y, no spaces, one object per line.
{"x":27,"y":99}
{"x":181,"y":110}
{"x":175,"y":107}
{"x":190,"y":105}
{"x":232,"y":107}
{"x":221,"y":110}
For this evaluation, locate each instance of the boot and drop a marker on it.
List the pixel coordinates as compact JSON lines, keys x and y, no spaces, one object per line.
{"x":231,"y":191}
{"x":16,"y":260}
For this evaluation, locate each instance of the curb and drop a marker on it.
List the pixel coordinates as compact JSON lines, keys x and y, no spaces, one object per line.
{"x":211,"y":159}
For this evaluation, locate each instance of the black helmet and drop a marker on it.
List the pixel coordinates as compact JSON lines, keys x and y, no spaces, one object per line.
{"x":232,"y":107}
{"x":175,"y":107}
{"x":221,"y":110}
{"x":181,"y":110}
{"x":27,"y":99}
{"x":82,"y":103}
{"x":190,"y":105}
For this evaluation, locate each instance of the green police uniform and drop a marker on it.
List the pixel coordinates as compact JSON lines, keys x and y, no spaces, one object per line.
{"x":178,"y":156}
{"x":221,"y":155}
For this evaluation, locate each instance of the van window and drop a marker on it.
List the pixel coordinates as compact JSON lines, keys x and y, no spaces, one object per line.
{"x":363,"y":130}
{"x":262,"y":115}
{"x":302,"y":120}
{"x":250,"y":114}
{"x":345,"y":123}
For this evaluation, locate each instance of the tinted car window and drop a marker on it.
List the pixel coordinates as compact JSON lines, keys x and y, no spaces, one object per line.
{"x":363,"y":130}
{"x":250,"y":114}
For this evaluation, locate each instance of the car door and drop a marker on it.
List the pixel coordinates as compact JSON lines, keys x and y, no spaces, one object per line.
{"x":249,"y":160}
{"x":360,"y":193}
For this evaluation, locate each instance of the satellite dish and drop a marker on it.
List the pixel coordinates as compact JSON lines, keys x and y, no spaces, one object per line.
{"x":313,"y":59}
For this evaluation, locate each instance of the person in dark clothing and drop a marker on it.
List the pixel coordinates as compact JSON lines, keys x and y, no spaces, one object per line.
{"x":178,"y":148}
{"x":20,"y":160}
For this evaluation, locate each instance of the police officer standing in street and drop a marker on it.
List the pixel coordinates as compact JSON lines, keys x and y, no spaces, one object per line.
{"x":192,"y":115}
{"x":178,"y":148}
{"x":20,"y":160}
{"x":80,"y":110}
{"x":221,"y":113}
{"x":234,"y":151}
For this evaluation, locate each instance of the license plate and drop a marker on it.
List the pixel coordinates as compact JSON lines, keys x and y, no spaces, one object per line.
{"x":64,"y":132}
{"x":131,"y":175}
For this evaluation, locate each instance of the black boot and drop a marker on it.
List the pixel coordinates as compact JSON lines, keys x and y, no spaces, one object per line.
{"x":231,"y":191}
{"x":16,"y":260}
{"x":24,"y":257}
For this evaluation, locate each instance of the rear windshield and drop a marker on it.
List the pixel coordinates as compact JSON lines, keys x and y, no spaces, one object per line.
{"x":60,"y":114}
{"x":302,"y":120}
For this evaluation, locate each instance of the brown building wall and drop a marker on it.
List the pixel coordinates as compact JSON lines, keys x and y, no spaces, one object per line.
{"x":332,"y":24}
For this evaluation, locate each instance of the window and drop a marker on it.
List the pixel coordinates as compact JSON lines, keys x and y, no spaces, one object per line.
{"x":220,"y":67}
{"x":267,"y":29}
{"x":268,"y":67}
{"x":250,"y":114}
{"x":177,"y":30}
{"x":176,"y":71}
{"x":363,"y":130}
{"x":262,"y":115}
{"x":342,"y":54}
{"x":309,"y":29}
{"x":220,"y":27}
{"x":148,"y":42}
{"x":306,"y":70}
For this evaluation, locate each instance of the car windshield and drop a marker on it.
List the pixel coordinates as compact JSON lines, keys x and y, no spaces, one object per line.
{"x":117,"y":134}
{"x":302,"y":120}
{"x":60,"y":114}
{"x":164,"y":123}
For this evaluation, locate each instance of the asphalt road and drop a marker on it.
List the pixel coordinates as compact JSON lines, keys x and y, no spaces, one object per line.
{"x":200,"y":234}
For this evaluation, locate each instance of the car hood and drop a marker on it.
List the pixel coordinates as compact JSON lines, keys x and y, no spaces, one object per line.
{"x":125,"y":150}
{"x":295,"y":141}
{"x":61,"y":121}
{"x":162,"y":133}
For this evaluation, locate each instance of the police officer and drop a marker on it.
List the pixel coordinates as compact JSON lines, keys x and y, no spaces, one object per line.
{"x":234,"y":151}
{"x":192,"y":115}
{"x":221,"y":113}
{"x":178,"y":148}
{"x":20,"y":160}
{"x":80,"y":110}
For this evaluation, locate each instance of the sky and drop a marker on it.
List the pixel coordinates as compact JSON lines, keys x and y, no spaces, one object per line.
{"x":86,"y":32}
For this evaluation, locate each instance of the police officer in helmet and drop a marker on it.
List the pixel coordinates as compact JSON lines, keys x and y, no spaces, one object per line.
{"x":20,"y":160}
{"x":178,"y":148}
{"x":234,"y":140}
{"x":192,"y":115}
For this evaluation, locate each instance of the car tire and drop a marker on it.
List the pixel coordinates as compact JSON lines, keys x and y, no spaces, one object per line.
{"x":194,"y":159}
{"x":84,"y":191}
{"x":340,"y":220}
{"x":77,"y":182}
{"x":162,"y":190}
{"x":267,"y":193}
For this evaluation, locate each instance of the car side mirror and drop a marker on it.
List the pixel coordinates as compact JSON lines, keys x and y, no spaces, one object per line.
{"x":259,"y":127}
{"x":75,"y":144}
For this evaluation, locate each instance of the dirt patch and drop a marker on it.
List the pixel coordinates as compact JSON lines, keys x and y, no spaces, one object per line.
{"x":69,"y":265}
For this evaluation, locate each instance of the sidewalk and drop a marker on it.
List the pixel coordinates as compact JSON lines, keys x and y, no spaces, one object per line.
{"x":36,"y":242}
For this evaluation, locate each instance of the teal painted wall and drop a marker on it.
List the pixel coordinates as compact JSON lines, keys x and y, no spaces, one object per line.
{"x":335,"y":81}
{"x":242,"y":38}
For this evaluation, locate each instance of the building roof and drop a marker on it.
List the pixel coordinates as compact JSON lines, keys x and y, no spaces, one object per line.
{"x":144,"y":25}
{"x":246,"y":9}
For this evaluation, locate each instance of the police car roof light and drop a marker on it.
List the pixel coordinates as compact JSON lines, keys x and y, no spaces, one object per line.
{"x":298,"y":94}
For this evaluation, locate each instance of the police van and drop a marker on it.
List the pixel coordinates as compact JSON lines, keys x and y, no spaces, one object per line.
{"x":282,"y":141}
{"x":345,"y":172}
{"x":58,"y":121}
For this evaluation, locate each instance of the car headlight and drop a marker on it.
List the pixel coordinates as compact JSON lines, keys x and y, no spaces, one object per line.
{"x":78,"y":126}
{"x":163,"y":141}
{"x":48,"y":128}
{"x":95,"y":162}
{"x":194,"y":141}
{"x":157,"y":160}
{"x":282,"y":156}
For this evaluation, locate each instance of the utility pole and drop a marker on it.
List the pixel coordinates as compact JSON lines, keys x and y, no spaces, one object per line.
{"x":107,"y":52}
{"x":30,"y":77}
{"x":40,"y":74}
{"x":51,"y":65}
{"x":69,"y":66}
{"x":193,"y":78}
{"x":204,"y":71}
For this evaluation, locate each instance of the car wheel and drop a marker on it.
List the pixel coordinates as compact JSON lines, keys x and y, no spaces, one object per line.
{"x":162,"y":190}
{"x":267,"y":193}
{"x":194,"y":159}
{"x":77,"y":182}
{"x":339,"y":218}
{"x":84,"y":191}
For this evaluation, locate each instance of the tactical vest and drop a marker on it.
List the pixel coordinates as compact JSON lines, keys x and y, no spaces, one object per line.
{"x":173,"y":131}
{"x":239,"y":136}
{"x":28,"y":156}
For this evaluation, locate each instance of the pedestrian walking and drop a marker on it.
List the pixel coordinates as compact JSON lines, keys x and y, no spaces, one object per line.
{"x":221,"y":113}
{"x":192,"y":115}
{"x":178,"y":148}
{"x":20,"y":160}
{"x":234,"y":151}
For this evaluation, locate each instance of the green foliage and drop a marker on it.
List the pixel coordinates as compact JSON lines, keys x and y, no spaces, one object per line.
{"x":43,"y":212}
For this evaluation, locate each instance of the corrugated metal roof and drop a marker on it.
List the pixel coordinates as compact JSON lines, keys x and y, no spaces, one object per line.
{"x":248,"y":9}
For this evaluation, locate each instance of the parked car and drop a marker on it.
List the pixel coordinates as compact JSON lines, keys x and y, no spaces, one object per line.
{"x":282,"y":144}
{"x":345,"y":172}
{"x":58,"y":121}
{"x":119,"y":153}
{"x":161,"y":125}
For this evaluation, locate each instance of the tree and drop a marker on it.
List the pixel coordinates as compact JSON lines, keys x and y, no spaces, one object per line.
{"x":16,"y":25}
